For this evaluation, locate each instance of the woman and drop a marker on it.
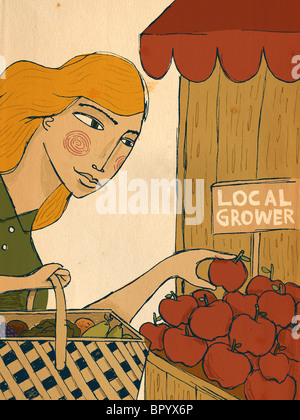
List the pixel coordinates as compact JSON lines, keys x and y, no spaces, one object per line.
{"x":64,"y":132}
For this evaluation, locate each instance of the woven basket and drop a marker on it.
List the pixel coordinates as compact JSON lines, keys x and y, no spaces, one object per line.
{"x":64,"y":368}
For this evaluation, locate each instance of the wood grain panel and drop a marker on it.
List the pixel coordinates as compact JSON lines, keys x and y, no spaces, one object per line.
{"x":178,"y":390}
{"x":239,"y":113}
{"x":156,"y":383}
{"x":278,"y":156}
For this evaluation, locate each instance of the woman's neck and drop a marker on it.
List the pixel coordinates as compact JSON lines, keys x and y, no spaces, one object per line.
{"x":34,"y":179}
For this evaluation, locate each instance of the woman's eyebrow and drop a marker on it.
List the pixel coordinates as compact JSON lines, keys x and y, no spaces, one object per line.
{"x":102,"y":112}
{"x":131,"y":132}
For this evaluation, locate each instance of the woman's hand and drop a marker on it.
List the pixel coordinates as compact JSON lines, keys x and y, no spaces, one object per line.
{"x":41,"y":279}
{"x":185,"y":263}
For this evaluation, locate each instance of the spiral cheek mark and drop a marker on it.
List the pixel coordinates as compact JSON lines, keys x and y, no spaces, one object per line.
{"x":77,"y":143}
{"x":119,"y":162}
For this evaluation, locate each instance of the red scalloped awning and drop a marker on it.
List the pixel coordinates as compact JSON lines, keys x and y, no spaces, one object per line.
{"x":196,"y":32}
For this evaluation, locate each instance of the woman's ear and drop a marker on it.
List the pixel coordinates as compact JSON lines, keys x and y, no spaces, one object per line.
{"x":47,"y":122}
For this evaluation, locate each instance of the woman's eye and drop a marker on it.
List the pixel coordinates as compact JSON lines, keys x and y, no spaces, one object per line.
{"x":88,"y":120}
{"x":128,"y":142}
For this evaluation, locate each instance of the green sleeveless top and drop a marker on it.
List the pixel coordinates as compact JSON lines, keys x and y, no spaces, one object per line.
{"x":18,"y":256}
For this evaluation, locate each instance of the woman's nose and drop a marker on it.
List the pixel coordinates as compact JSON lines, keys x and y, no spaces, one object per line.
{"x":97,"y":169}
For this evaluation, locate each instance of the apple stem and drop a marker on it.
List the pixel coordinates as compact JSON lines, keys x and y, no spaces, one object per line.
{"x":233,"y":345}
{"x":281,"y":289}
{"x":187,"y":331}
{"x":239,"y":257}
{"x":272,"y":272}
{"x":156,"y":318}
{"x":206,"y":300}
{"x":277,"y":349}
{"x":174,"y":295}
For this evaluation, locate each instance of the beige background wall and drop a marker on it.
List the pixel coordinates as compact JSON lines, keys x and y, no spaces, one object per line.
{"x":103,"y":253}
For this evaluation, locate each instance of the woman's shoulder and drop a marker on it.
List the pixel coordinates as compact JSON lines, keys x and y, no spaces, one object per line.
{"x":7,"y":209}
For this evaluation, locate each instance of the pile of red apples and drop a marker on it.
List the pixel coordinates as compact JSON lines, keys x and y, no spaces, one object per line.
{"x":244,"y":339}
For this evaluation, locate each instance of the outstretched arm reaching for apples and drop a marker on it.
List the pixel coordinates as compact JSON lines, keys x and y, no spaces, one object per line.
{"x":127,"y":301}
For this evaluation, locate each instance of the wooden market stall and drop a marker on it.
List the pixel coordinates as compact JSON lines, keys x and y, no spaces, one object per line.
{"x":239,"y":112}
{"x":239,"y":106}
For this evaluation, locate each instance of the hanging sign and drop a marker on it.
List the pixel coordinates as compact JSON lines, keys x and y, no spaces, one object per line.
{"x":255,"y":206}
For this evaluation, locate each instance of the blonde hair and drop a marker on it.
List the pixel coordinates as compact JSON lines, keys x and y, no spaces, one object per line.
{"x":31,"y":92}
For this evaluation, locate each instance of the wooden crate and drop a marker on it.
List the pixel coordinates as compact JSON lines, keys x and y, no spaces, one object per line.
{"x":173,"y":381}
{"x":95,"y":369}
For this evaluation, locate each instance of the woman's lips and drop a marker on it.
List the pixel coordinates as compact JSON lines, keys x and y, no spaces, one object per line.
{"x":88,"y":176}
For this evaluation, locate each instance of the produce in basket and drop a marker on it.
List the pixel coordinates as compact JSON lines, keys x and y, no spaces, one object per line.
{"x":47,"y":328}
{"x":7,"y":331}
{"x":116,"y":332}
{"x":230,"y":274}
{"x":84,"y":324}
{"x":99,"y":330}
{"x":103,"y":329}
{"x":18,"y":326}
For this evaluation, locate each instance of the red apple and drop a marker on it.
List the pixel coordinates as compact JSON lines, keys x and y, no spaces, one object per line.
{"x":211,"y":321}
{"x":241,"y":304}
{"x":260,"y":284}
{"x":176,"y":310}
{"x":295,"y":370}
{"x":259,"y":388}
{"x":275,"y":366}
{"x":199,"y":296}
{"x":256,"y":335}
{"x":230,"y":274}
{"x":222,"y":364}
{"x":155,"y":334}
{"x":287,"y":338}
{"x":279,"y":307}
{"x":180,"y":347}
{"x":293,"y":290}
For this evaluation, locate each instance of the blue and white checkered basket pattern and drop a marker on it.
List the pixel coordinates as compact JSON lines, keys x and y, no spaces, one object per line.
{"x":95,"y":370}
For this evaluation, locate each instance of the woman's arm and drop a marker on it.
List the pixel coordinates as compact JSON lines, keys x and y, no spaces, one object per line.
{"x":128,"y":300}
{"x":36,"y":280}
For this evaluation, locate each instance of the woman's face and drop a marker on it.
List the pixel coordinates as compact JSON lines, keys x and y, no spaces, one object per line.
{"x":87,"y":144}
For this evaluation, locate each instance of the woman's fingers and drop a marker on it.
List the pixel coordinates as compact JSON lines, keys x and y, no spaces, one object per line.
{"x":223,"y":256}
{"x":46,"y":271}
{"x":40,"y":278}
{"x":64,"y":277}
{"x":203,"y":284}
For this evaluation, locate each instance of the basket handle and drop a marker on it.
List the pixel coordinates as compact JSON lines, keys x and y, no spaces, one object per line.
{"x":61,"y":317}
